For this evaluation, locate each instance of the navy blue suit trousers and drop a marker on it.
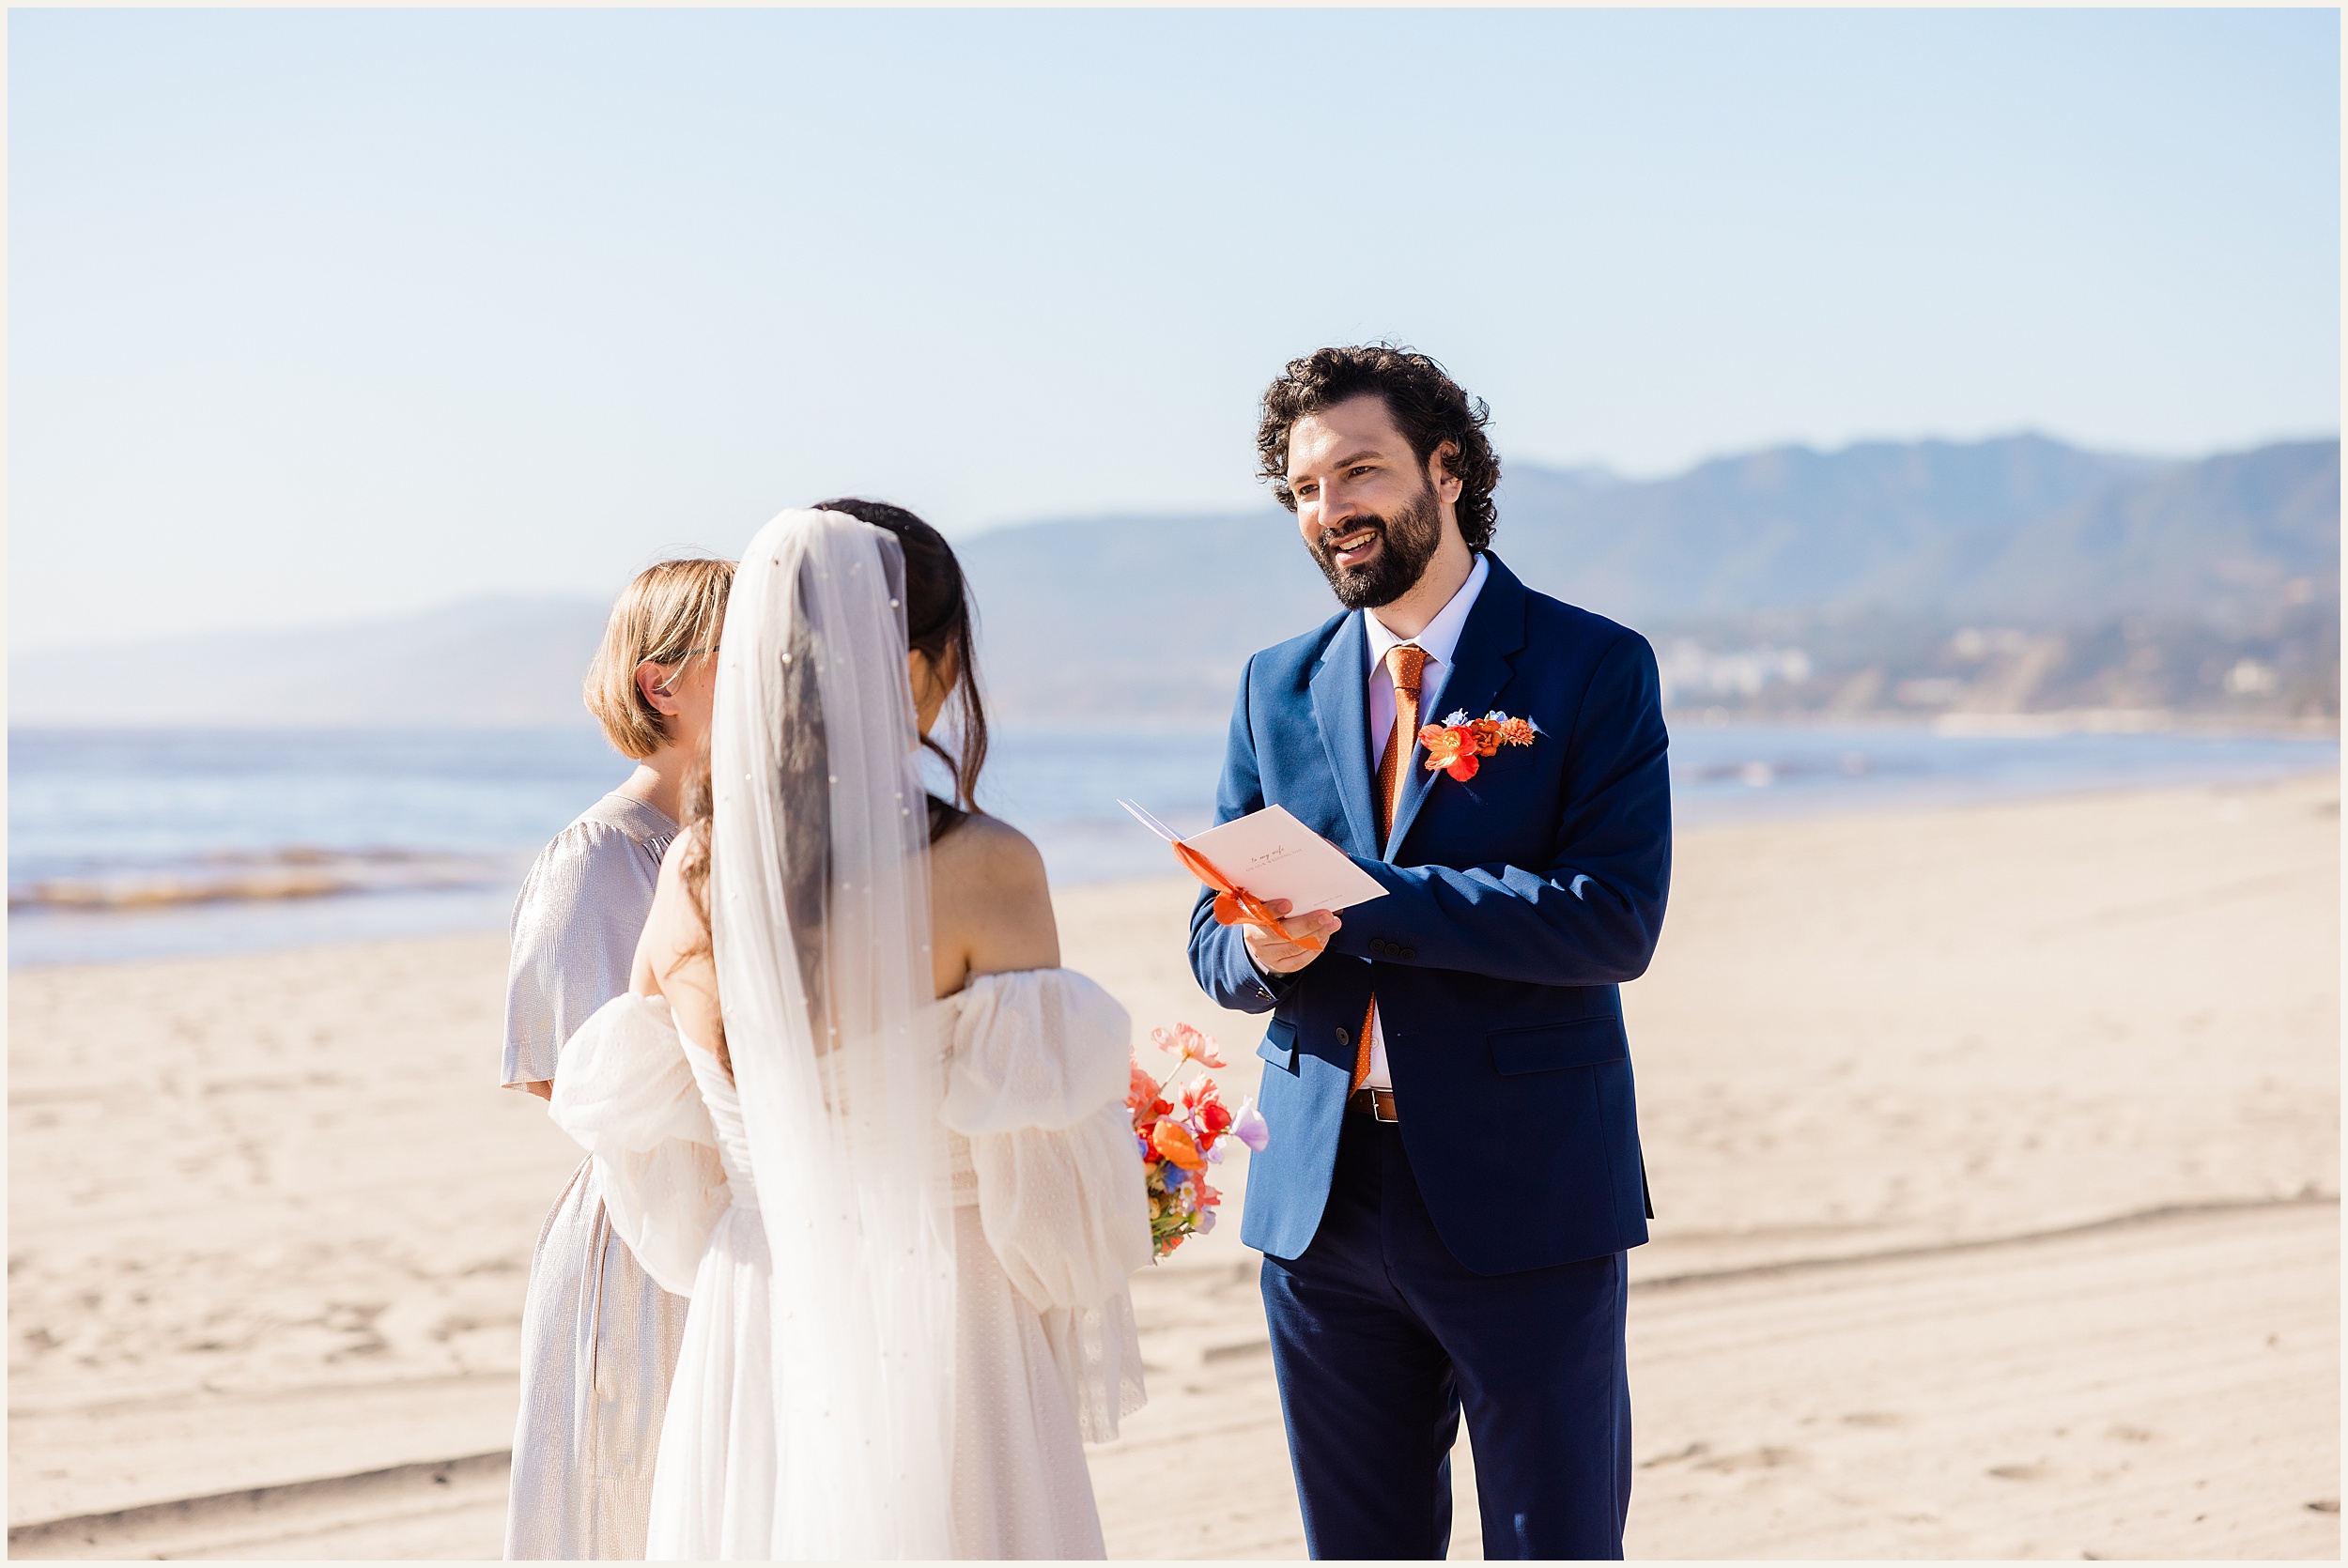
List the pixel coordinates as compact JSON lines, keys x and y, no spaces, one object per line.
{"x":1382,"y":1340}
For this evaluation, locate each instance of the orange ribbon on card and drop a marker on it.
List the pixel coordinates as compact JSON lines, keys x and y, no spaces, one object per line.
{"x":1235,"y":906}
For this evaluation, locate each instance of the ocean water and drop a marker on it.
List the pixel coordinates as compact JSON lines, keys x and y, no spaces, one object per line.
{"x":151,"y":843}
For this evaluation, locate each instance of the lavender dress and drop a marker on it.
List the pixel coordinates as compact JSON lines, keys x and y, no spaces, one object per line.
{"x":599,"y":1339}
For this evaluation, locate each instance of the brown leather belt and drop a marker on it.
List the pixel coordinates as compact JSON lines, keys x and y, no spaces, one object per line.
{"x":1366,"y":1101}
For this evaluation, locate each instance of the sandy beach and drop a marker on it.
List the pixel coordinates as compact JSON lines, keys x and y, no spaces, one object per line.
{"x":1995,"y":1150}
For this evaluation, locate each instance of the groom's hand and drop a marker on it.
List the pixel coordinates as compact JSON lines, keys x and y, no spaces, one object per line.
{"x":1275,"y":954}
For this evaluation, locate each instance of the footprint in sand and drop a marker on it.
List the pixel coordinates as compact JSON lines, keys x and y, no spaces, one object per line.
{"x":2021,"y":1472}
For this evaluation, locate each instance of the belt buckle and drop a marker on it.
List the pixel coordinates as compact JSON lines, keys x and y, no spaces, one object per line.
{"x":1375,"y":1113}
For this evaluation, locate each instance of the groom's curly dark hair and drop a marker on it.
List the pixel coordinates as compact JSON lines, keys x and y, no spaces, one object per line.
{"x":1427,"y":404}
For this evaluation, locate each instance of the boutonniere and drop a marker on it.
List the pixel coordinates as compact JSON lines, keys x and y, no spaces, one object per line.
{"x":1455,"y":744}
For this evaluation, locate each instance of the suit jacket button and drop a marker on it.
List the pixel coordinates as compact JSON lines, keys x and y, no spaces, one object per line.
{"x":1378,"y":946}
{"x":1409,"y":953}
{"x":1344,"y":1039}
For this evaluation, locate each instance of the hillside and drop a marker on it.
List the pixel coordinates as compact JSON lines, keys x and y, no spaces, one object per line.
{"x":1787,"y":580}
{"x":483,"y":662}
{"x":1919,"y":577}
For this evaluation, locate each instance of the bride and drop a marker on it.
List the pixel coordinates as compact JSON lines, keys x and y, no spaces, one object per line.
{"x":852,"y":1106}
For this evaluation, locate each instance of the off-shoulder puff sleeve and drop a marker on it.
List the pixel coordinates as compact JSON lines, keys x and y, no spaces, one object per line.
{"x":626,"y":1093}
{"x":1038,"y":1067}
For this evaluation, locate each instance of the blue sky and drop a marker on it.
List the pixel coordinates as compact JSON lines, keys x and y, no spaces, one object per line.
{"x":322,"y":315}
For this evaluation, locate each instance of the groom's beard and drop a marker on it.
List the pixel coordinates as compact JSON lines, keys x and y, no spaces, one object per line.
{"x":1407,"y":542}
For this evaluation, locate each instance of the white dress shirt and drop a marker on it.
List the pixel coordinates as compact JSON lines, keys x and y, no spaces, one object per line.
{"x":1438,"y":641}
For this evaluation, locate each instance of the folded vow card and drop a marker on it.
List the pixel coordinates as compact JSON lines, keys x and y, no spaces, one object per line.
{"x":1270,"y":855}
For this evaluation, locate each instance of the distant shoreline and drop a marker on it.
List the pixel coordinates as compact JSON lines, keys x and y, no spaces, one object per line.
{"x":2018,"y":724}
{"x":2023,"y":724}
{"x":303,"y":919}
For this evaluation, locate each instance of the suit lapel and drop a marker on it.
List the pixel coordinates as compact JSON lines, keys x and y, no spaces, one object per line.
{"x":1480,"y":667}
{"x":1341,"y":704}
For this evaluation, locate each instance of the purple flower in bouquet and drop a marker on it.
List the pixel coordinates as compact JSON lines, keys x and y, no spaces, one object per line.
{"x":1249,"y":1126}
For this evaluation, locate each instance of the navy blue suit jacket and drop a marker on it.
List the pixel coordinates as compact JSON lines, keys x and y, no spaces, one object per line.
{"x":1516,"y":904}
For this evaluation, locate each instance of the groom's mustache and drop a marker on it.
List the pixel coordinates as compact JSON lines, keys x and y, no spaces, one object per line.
{"x":1328,"y":536}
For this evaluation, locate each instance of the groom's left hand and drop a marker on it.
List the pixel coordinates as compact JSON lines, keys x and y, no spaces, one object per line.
{"x":1278,"y":955}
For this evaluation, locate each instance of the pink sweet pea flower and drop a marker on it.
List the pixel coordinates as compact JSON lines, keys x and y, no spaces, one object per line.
{"x":1189,"y":1044}
{"x":1249,"y":1126}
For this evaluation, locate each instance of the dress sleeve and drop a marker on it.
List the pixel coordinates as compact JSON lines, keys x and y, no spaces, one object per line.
{"x":1037,"y":1077}
{"x":626,"y":1093}
{"x":575,"y":927}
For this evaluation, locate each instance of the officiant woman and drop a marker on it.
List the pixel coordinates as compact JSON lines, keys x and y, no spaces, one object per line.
{"x":599,"y":1339}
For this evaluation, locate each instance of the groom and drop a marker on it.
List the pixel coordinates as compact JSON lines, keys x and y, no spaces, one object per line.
{"x":1454,"y":1172}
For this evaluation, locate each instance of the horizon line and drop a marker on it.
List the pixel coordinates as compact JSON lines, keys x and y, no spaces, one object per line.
{"x":1613,"y":479}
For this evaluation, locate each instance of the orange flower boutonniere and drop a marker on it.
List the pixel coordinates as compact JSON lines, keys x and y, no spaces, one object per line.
{"x":1455,"y":745}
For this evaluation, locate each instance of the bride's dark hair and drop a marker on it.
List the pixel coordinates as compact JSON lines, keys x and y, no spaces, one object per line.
{"x":941,"y":626}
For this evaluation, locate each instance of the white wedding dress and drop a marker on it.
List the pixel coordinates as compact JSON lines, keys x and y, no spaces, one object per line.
{"x":1049,"y":1218}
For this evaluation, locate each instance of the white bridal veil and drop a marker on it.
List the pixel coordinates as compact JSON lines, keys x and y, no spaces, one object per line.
{"x":819,"y":913}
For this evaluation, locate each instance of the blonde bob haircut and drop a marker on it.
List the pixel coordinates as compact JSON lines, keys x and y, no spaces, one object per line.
{"x":671,"y":614}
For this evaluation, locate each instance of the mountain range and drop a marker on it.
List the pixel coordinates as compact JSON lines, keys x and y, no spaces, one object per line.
{"x":2003,"y":575}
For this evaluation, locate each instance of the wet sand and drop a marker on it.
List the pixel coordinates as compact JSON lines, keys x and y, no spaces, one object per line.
{"x":1996,"y":1152}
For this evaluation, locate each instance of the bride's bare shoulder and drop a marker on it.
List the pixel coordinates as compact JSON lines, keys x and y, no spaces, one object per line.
{"x":988,"y":849}
{"x":992,"y":898}
{"x":674,"y":927}
{"x":670,"y":892}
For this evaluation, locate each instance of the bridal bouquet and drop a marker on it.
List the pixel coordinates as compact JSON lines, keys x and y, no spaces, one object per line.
{"x":1180,"y":1136}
